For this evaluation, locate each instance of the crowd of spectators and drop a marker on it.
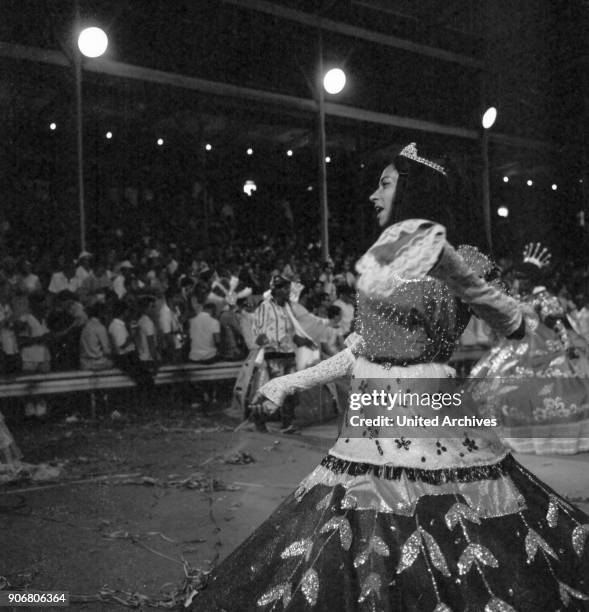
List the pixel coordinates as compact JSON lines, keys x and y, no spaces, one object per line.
{"x":154,"y":303}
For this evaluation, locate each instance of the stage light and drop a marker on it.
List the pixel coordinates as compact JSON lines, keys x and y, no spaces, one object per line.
{"x":310,"y":188}
{"x":529,"y":182}
{"x":108,"y":135}
{"x":506,"y":179}
{"x":92,"y":42}
{"x":53,"y":126}
{"x":160,"y":142}
{"x":249,"y":187}
{"x":334,"y":80}
{"x":327,"y":159}
{"x":489,"y":117}
{"x":208,"y":147}
{"x":250,"y":151}
{"x":503,"y":211}
{"x":554,"y":186}
{"x":289,"y":153}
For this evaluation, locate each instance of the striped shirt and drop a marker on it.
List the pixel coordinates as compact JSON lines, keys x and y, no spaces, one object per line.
{"x":274,"y":321}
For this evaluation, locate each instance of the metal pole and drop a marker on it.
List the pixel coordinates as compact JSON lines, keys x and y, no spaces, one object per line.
{"x":486,"y":190}
{"x":322,"y":165}
{"x":80,"y":149}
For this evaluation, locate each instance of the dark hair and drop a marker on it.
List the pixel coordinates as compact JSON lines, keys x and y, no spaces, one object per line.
{"x":97,"y":310}
{"x":210,"y":308}
{"x":333,"y":311}
{"x":425,"y":193}
{"x":422,"y":193}
{"x":530,"y":271}
{"x":119,"y":308}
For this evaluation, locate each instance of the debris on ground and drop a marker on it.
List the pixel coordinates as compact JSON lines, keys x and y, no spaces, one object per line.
{"x":20,"y":472}
{"x":239,"y":458}
{"x":198,"y":481}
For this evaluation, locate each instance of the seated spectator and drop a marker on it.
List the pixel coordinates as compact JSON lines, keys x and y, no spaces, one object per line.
{"x":8,"y":343}
{"x":30,"y":282}
{"x":95,"y":283}
{"x":64,"y":278}
{"x":84,"y":268}
{"x":170,"y":328}
{"x":34,"y":337}
{"x":146,"y":334}
{"x":121,"y":283}
{"x":232,"y":343}
{"x":34,"y":340}
{"x":124,"y":351}
{"x":65,"y":321}
{"x":205,"y":338}
{"x":95,"y":347}
{"x":332,"y":341}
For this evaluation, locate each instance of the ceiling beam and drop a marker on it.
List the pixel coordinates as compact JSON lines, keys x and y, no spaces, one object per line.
{"x":150,"y":75}
{"x":355,"y":32}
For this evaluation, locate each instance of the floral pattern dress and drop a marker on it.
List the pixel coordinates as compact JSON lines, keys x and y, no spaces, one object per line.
{"x":538,"y":388}
{"x":394,"y":519}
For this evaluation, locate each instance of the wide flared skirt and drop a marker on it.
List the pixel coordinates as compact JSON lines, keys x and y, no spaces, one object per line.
{"x":537,"y":391}
{"x":322,"y":549}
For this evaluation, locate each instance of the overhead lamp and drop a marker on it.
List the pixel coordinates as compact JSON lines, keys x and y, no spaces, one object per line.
{"x":289,"y":153}
{"x":53,"y":126}
{"x":208,"y":147}
{"x":160,"y":142}
{"x":529,"y":182}
{"x":334,"y":80}
{"x":108,"y":135}
{"x":554,"y":186}
{"x":250,"y":151}
{"x":327,"y":159}
{"x":92,"y":42}
{"x":489,"y":117}
{"x":503,"y":211}
{"x":249,"y":187}
{"x":506,"y":179}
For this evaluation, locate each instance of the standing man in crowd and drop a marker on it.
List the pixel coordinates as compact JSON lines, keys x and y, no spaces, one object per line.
{"x":274,"y":330}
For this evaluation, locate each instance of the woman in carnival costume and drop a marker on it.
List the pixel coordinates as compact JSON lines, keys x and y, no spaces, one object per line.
{"x":538,"y":388}
{"x":393,"y":518}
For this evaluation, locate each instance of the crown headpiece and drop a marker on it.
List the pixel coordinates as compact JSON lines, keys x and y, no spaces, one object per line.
{"x":410,"y":152}
{"x":537,"y":255}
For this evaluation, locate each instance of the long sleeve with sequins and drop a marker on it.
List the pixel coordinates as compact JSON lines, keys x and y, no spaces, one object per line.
{"x":339,"y":365}
{"x":501,"y":311}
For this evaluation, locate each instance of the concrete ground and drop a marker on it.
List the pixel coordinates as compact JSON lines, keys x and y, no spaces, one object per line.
{"x":148,"y":501}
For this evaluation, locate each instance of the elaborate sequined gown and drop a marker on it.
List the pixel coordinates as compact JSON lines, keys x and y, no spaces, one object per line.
{"x":396,"y":521}
{"x":538,"y":388}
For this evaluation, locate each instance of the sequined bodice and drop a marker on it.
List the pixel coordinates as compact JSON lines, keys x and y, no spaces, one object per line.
{"x":419,"y":322}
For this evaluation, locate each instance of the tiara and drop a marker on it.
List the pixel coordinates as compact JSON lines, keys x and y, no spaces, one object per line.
{"x":537,"y":255}
{"x":410,"y":152}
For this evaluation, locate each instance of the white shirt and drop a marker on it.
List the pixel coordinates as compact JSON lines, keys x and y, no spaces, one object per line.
{"x":118,"y":286}
{"x":202,"y":343}
{"x":31,"y":283}
{"x":60,"y":282}
{"x":146,"y":330}
{"x":168,"y":320}
{"x":82,"y":273}
{"x":119,"y":334}
{"x":37,"y":353}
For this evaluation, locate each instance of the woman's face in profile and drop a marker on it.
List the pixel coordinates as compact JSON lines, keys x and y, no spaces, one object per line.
{"x":383,"y":198}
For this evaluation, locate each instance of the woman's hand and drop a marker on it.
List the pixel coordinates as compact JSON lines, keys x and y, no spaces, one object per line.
{"x":261,"y":405}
